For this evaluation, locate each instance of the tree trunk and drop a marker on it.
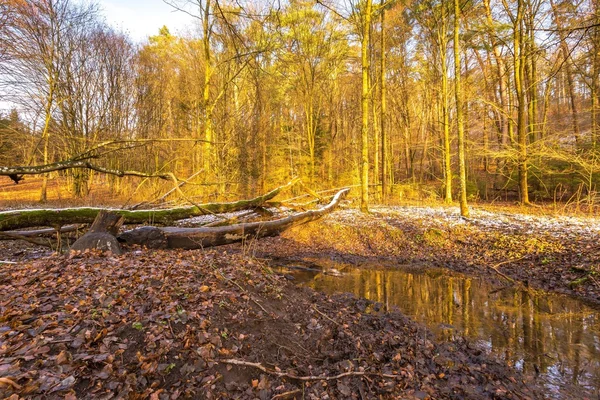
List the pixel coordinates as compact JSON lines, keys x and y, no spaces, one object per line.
{"x":464,"y":209}
{"x":16,"y":219}
{"x":519,"y":75}
{"x":564,"y":48}
{"x":384,"y":140}
{"x":445,"y":120}
{"x":198,"y":238}
{"x":364,"y":163}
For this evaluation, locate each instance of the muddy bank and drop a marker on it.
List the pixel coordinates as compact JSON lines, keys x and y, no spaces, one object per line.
{"x":166,"y":325}
{"x":560,"y":254}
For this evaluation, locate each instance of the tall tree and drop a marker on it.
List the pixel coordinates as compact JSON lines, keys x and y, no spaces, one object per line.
{"x":519,"y":61}
{"x":35,"y":40}
{"x":434,"y":21}
{"x":458,"y":93}
{"x":366,"y":17}
{"x":383,"y":99}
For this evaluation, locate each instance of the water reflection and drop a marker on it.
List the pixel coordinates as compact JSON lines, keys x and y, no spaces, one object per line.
{"x":553,"y":336}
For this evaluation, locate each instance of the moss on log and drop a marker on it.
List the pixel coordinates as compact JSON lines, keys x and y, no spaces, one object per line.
{"x":17,"y":219}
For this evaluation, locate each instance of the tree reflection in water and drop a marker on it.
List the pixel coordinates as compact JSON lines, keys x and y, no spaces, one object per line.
{"x":552,"y":335}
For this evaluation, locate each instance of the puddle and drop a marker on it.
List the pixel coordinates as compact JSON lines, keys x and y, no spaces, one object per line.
{"x":552,"y":336}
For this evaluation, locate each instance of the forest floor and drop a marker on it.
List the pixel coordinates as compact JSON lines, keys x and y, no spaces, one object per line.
{"x":219,"y":323}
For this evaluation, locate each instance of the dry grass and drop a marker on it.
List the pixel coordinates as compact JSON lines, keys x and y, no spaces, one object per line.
{"x":132,"y":191}
{"x":27,"y":194}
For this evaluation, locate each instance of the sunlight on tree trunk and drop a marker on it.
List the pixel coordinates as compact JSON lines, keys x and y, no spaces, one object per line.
{"x":464,"y":209}
{"x":208,"y":164}
{"x":384,"y":140}
{"x":443,"y":40}
{"x":519,"y":81}
{"x":364,"y":165}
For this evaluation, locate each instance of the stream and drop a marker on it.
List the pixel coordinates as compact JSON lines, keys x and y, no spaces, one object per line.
{"x":551,"y":336}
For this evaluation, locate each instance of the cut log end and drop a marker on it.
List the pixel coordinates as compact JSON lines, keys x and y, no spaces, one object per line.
{"x":98,"y":241}
{"x":101,"y":235}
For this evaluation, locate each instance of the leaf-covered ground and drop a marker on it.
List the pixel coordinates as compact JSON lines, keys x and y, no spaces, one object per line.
{"x":168,"y":324}
{"x":219,"y":324}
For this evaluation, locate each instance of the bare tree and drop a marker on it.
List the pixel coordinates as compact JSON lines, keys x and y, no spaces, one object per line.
{"x":35,"y":39}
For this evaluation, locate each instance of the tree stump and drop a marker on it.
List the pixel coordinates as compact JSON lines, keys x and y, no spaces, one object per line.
{"x":102,"y":234}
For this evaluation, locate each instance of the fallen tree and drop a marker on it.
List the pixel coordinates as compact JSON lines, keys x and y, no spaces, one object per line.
{"x":18,"y":219}
{"x":39,"y":232}
{"x":195,"y":238}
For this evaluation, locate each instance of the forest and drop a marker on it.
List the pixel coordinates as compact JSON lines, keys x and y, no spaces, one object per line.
{"x":328,"y":199}
{"x":352,"y":93}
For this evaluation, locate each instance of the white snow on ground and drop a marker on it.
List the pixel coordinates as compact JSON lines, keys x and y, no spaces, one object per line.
{"x":440,"y":217}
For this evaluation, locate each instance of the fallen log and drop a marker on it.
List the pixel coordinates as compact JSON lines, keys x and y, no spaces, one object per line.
{"x":196,"y":238}
{"x":17,"y":219}
{"x":10,"y":235}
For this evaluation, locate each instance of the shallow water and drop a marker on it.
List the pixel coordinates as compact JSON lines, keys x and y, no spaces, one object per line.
{"x":555,"y":337}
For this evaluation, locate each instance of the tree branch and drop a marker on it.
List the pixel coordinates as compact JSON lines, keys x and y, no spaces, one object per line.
{"x":303,"y":378}
{"x":81,"y":164}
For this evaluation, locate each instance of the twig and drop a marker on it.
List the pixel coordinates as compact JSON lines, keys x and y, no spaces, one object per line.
{"x":177,"y":188}
{"x":511,"y":280}
{"x":38,"y":242}
{"x":228,"y":221}
{"x":495,"y":268}
{"x":209,"y":383}
{"x":325,"y":315}
{"x":593,"y":279}
{"x":303,"y":378}
{"x":311,"y":192}
{"x":171,"y":329}
{"x":164,"y":196}
{"x":8,"y":262}
{"x":286,"y":394}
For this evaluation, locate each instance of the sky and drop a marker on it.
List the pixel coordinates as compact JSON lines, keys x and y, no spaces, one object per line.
{"x":143,"y":18}
{"x":140,"y":19}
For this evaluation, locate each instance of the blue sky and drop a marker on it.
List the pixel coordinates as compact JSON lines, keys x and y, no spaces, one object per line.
{"x":143,"y":18}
